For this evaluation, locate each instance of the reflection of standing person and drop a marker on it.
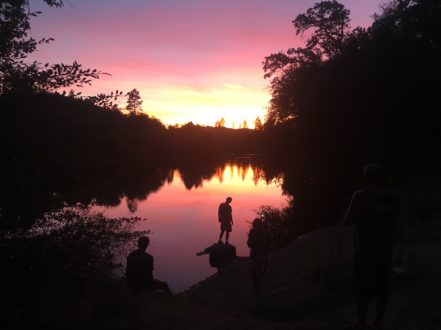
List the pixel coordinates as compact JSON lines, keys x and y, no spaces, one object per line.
{"x":225,"y":217}
{"x":374,"y":212}
{"x":258,"y":242}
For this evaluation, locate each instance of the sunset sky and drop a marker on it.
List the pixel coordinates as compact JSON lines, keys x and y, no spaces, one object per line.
{"x":191,"y":60}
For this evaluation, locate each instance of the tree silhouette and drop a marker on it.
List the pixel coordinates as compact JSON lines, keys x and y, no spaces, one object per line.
{"x":350,"y":97}
{"x":106,"y":101}
{"x":328,"y":23}
{"x":134,"y":101}
{"x":220,"y":122}
{"x":258,"y":124}
{"x":16,"y":45}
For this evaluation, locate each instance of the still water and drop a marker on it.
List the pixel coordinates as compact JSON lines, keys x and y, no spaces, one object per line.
{"x":184,"y":221}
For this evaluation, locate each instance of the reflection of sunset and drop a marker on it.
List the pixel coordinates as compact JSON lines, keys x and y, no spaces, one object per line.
{"x":184,"y":221}
{"x":236,"y":177}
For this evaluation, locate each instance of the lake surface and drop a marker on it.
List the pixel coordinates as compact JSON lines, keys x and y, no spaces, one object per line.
{"x":183,"y":220}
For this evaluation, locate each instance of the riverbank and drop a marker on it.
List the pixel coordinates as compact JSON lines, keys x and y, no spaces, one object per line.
{"x":308,"y":286}
{"x":309,"y":282}
{"x":317,"y":296}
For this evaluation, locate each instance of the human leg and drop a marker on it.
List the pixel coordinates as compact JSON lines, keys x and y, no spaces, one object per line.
{"x":364,"y":281}
{"x":363,"y":300}
{"x":221,"y":234}
{"x":255,"y":276}
{"x":383,"y":294}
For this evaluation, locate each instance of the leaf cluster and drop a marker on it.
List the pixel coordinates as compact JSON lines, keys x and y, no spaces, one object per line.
{"x":69,"y":245}
{"x":106,"y":101}
{"x":16,"y":74}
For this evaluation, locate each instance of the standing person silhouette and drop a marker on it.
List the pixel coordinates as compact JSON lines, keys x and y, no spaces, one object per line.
{"x":225,"y":218}
{"x":259,"y":244}
{"x":374,"y":211}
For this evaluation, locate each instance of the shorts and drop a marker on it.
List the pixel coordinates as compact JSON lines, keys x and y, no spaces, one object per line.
{"x":226,"y":226}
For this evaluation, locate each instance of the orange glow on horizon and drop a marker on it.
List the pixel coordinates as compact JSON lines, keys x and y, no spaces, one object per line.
{"x":179,"y":104}
{"x":187,"y":63}
{"x":234,"y":103}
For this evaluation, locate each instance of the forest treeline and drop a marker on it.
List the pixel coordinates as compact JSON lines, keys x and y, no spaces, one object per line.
{"x":365,"y":93}
{"x":348,"y":97}
{"x":55,"y":144}
{"x":352,"y":96}
{"x":60,"y":148}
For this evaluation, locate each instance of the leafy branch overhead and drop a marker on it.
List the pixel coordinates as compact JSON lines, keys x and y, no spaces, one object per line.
{"x":17,"y":75}
{"x":327,"y":23}
{"x":106,"y":101}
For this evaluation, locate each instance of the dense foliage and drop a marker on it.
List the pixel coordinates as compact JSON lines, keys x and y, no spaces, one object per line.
{"x":350,"y":96}
{"x":361,"y":91}
{"x":353,"y":96}
{"x":16,"y":74}
{"x":57,"y":261}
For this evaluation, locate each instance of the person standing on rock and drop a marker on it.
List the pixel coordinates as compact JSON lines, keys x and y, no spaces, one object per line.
{"x":225,"y":217}
{"x":374,"y":211}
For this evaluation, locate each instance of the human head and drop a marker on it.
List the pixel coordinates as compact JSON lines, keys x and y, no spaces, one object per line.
{"x":374,"y":174}
{"x":143,"y":242}
{"x":229,"y":199}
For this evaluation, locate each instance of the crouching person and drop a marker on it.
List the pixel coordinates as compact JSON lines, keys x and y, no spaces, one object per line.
{"x":139,"y":270}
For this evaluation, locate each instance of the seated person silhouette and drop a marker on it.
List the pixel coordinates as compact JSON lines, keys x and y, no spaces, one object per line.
{"x":139,"y":270}
{"x":220,"y":254}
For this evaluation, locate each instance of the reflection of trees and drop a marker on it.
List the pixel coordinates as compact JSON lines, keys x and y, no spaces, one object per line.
{"x":30,"y":192}
{"x":258,"y":174}
{"x":220,"y":173}
{"x":170,"y":176}
{"x":194,"y":176}
{"x":36,"y":183}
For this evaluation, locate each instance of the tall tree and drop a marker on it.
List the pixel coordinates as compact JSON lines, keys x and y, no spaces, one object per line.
{"x":258,"y":124}
{"x":328,"y":25}
{"x":329,"y":21}
{"x":134,"y":101}
{"x":220,"y":122}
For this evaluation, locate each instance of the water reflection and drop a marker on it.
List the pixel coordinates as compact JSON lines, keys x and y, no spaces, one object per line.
{"x":182,"y":215}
